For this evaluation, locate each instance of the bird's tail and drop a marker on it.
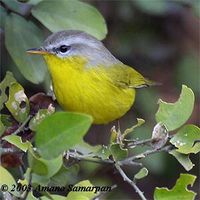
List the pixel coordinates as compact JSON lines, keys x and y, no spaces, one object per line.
{"x":151,"y":83}
{"x":147,"y":83}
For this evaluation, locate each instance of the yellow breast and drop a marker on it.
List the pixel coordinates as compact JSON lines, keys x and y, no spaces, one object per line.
{"x":88,"y":89}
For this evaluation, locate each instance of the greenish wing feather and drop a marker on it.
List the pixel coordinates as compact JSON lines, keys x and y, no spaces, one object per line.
{"x":127,"y":77}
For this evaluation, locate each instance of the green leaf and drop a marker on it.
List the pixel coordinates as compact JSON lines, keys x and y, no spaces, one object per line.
{"x":141,"y":174}
{"x":79,"y":195}
{"x":2,"y":17}
{"x":183,"y":159}
{"x":65,"y":176}
{"x":14,"y":5}
{"x":36,"y":163}
{"x":156,"y":7}
{"x":174,"y":115}
{"x":39,"y":117}
{"x":17,"y":141}
{"x":86,"y":148}
{"x":18,"y":103}
{"x":7,"y":178}
{"x":185,"y":139}
{"x":21,"y":35}
{"x":179,"y":191}
{"x":117,"y":152}
{"x":6,"y":120}
{"x":39,"y":180}
{"x":140,"y":122}
{"x":103,"y":152}
{"x":62,"y":130}
{"x":43,"y":167}
{"x":4,"y":86}
{"x":68,"y":15}
{"x":53,"y":165}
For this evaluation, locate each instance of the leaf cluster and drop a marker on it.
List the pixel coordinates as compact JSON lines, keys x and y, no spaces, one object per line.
{"x":46,"y":146}
{"x":25,"y":25}
{"x":52,"y":142}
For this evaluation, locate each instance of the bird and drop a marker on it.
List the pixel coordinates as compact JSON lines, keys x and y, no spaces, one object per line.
{"x":87,"y":78}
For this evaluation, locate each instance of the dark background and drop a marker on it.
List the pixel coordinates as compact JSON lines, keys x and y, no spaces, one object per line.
{"x":160,"y":39}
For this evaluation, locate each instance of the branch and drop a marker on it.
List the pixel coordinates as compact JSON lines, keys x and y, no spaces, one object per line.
{"x":130,"y":182}
{"x":88,"y":158}
{"x":97,"y":197}
{"x":79,"y":157}
{"x":146,"y":153}
{"x":128,"y":161}
{"x":131,"y":143}
{"x":21,"y":127}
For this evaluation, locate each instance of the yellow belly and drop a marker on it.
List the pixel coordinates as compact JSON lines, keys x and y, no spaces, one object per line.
{"x":89,"y":91}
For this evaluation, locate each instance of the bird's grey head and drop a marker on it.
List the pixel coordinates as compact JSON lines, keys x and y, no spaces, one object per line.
{"x":78,"y":43}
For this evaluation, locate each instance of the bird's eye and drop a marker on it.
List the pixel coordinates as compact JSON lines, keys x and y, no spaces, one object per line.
{"x":63,"y":48}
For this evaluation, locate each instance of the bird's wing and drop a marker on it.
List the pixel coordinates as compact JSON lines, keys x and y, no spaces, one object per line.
{"x":127,"y":77}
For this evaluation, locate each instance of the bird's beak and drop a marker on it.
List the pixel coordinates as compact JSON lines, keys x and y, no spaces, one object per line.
{"x":40,"y":51}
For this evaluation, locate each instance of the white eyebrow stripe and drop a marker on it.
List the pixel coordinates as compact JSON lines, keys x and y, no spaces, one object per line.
{"x":76,"y":40}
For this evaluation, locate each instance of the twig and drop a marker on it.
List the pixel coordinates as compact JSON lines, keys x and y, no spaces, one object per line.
{"x":21,"y":171}
{"x":128,"y":180}
{"x":131,"y":163}
{"x":89,"y":159}
{"x":148,"y":152}
{"x":127,"y":161}
{"x":97,"y":197}
{"x":130,"y":143}
{"x":118,"y":164}
{"x":21,"y":127}
{"x":78,"y":157}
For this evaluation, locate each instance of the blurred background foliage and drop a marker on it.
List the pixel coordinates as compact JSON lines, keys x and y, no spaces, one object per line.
{"x":160,"y":38}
